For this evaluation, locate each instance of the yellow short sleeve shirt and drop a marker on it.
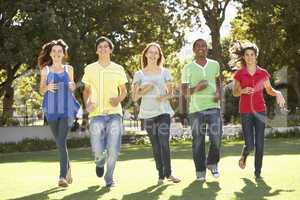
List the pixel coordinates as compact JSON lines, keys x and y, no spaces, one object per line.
{"x":104,"y":83}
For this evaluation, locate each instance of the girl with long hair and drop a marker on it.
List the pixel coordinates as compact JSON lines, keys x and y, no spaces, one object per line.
{"x":59,"y":104}
{"x":153,"y":85}
{"x":249,"y":82}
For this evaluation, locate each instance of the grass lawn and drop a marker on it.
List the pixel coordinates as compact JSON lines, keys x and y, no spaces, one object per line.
{"x":33,"y":176}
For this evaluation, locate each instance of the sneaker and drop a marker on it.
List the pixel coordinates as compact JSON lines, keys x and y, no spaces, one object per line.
{"x":62,"y":182}
{"x":110,"y":185}
{"x":214,"y":172}
{"x":160,"y":181}
{"x":174,"y":179}
{"x":258,"y":176}
{"x":200,"y":176}
{"x":69,"y":178}
{"x":99,"y":171}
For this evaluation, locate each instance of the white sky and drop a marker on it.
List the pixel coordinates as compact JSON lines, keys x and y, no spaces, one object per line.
{"x":204,"y":32}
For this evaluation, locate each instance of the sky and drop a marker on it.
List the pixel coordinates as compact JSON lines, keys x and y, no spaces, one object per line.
{"x":204,"y":31}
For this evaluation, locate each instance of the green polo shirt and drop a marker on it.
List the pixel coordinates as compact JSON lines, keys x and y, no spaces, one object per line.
{"x":192,"y":74}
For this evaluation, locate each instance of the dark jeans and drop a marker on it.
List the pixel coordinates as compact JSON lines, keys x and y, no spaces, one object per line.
{"x":253,"y":126}
{"x":60,"y":129}
{"x":158,"y":129}
{"x":201,"y":122}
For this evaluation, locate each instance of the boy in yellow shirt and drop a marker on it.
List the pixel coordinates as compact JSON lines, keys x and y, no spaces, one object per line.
{"x":103,"y":93}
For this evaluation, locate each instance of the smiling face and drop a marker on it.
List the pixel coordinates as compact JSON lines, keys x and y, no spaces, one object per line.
{"x":249,"y":57}
{"x":200,"y":49}
{"x":57,"y":53}
{"x":152,"y":55}
{"x":103,"y":49}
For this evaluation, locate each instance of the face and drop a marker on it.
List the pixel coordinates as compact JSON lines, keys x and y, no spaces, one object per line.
{"x":152,"y":54}
{"x":200,"y":48}
{"x":103,"y":49}
{"x":250,"y":57}
{"x":57,"y":53}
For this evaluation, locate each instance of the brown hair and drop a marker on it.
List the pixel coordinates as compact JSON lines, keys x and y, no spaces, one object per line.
{"x":160,"y":60}
{"x":104,"y":39}
{"x":44,"y":56}
{"x":237,"y":51}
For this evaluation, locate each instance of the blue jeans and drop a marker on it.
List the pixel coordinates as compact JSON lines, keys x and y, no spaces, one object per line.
{"x":60,"y":129}
{"x":253,"y":126}
{"x":158,"y":129}
{"x":201,"y":122}
{"x":106,"y":132}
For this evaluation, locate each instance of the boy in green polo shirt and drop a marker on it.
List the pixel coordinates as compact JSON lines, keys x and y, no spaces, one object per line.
{"x":201,"y":83}
{"x":104,"y":90}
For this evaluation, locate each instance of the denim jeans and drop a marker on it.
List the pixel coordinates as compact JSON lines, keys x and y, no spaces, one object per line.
{"x":201,"y":122}
{"x":253,"y":126}
{"x":158,"y":129}
{"x":60,"y":129}
{"x":106,"y":132}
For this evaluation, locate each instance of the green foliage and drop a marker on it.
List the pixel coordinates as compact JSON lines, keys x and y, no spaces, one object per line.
{"x":275,"y":27}
{"x":26,"y":25}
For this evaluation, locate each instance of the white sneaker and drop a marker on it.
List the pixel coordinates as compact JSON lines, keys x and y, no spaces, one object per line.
{"x":160,"y":181}
{"x":200,"y":176}
{"x":214,"y":172}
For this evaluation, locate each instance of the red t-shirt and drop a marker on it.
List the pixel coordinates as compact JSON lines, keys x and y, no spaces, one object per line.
{"x":251,"y":103}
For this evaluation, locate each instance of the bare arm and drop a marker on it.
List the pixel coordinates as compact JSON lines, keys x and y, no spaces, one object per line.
{"x":72,"y":85}
{"x":236,"y":91}
{"x":139,"y":91}
{"x":272,"y":92}
{"x":123,"y":93}
{"x":43,"y":84}
{"x":169,"y":93}
{"x":190,"y":91}
{"x":218,"y":89}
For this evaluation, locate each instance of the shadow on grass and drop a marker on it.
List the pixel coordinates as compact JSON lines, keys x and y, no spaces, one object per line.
{"x":150,"y":193}
{"x":196,"y":191}
{"x":92,"y":193}
{"x":260,"y":190}
{"x":40,"y":196}
{"x":278,"y":146}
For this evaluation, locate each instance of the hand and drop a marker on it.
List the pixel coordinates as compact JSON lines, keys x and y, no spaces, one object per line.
{"x":217,"y":96}
{"x":147,"y":87}
{"x":247,"y":90}
{"x":160,"y":98}
{"x":280,"y":100}
{"x":90,"y":107}
{"x":201,"y":85}
{"x":114,"y":101}
{"x":52,"y":87}
{"x":72,"y":86}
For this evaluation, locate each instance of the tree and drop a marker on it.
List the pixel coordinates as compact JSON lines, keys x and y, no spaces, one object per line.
{"x":26,"y":25}
{"x":275,"y":27}
{"x":214,"y":13}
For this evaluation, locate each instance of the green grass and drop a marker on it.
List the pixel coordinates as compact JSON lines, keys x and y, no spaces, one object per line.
{"x":33,"y":176}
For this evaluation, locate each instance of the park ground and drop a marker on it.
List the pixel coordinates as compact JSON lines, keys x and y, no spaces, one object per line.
{"x":33,"y":175}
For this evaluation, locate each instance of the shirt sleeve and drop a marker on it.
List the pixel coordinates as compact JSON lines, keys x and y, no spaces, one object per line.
{"x":218,"y":69}
{"x":137,"y":78}
{"x":123,"y":77}
{"x":86,"y":79}
{"x":167,"y":75}
{"x":267,"y":75}
{"x":237,"y":76}
{"x":185,"y":75}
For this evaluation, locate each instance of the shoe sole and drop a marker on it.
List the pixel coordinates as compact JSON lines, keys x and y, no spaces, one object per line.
{"x":62,"y":184}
